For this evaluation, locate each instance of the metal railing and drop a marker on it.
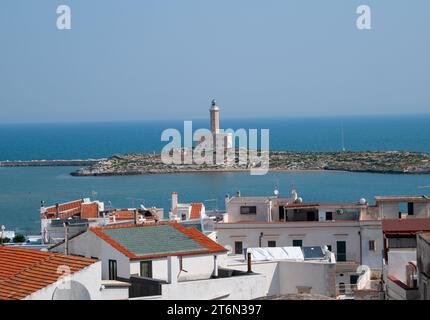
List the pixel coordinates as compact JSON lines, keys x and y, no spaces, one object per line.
{"x":346,"y":289}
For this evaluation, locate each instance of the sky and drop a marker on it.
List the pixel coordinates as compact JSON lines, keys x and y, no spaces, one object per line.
{"x":152,"y":59}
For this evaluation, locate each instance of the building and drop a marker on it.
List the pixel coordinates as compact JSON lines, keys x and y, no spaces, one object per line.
{"x":74,"y":217}
{"x":423,"y":263}
{"x":222,"y":139}
{"x":185,"y":211}
{"x":400,"y":273}
{"x":35,"y":275}
{"x":402,"y":207}
{"x":291,"y":270}
{"x":160,"y":260}
{"x":277,"y":221}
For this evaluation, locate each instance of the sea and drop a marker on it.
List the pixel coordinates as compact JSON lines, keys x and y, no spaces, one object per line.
{"x":22,"y":189}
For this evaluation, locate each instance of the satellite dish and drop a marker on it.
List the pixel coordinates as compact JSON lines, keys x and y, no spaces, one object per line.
{"x":71,"y":290}
{"x":276,"y":192}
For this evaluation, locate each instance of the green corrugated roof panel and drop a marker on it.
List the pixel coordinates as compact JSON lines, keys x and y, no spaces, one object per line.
{"x":153,"y":240}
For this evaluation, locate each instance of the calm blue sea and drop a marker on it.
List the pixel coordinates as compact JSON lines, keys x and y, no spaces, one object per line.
{"x":21,"y":189}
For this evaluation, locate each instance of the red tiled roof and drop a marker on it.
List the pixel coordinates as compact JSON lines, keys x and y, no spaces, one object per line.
{"x":24,"y":271}
{"x":65,"y":206}
{"x":68,"y":209}
{"x":123,"y":214}
{"x":210,"y":245}
{"x":403,"y":226}
{"x":196,"y":209}
{"x":89,"y":210}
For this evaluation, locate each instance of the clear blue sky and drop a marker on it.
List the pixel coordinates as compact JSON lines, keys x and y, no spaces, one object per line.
{"x":153,"y":59}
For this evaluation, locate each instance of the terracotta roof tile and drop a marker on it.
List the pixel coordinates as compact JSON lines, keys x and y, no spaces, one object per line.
{"x":65,"y":206}
{"x":24,"y":271}
{"x":89,"y":210}
{"x":196,"y":209}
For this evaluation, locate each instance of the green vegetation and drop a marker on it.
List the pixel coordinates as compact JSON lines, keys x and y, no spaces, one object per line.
{"x":19,"y":238}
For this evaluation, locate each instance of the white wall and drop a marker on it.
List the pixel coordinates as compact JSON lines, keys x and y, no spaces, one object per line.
{"x":89,"y":277}
{"x":233,"y":209}
{"x":372,"y":231}
{"x":196,"y":267}
{"x":234,"y":288}
{"x":397,"y":261}
{"x":283,"y":277}
{"x":311,"y":233}
{"x":90,"y":245}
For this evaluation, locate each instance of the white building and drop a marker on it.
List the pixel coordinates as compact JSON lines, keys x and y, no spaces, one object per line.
{"x":35,"y":275}
{"x":163,"y":261}
{"x":276,"y":221}
{"x":185,"y":211}
{"x":423,"y":261}
{"x":401,"y":273}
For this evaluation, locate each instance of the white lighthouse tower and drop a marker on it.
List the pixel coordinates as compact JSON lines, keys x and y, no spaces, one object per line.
{"x":214,"y":112}
{"x":220,"y":139}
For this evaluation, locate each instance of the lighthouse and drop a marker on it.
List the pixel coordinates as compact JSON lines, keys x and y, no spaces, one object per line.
{"x":214,"y":112}
{"x":223,"y":140}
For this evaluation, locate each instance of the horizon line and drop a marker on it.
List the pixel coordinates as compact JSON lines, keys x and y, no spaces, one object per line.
{"x":340,"y":116}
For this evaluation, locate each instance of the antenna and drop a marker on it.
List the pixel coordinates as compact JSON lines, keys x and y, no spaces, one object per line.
{"x":343,"y":138}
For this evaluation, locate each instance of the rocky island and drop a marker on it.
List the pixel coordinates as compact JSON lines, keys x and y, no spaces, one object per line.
{"x":354,"y":161}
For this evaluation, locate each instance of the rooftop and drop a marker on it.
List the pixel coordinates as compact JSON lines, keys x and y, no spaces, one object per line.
{"x":196,"y":209}
{"x":402,"y":226}
{"x":24,"y":271}
{"x":403,"y":198}
{"x":324,"y":204}
{"x":156,"y":240}
{"x":425,"y":236}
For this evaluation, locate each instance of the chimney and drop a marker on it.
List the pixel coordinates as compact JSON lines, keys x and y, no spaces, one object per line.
{"x":57,"y":210}
{"x":135,"y":216}
{"x":172,"y":269}
{"x":249,"y":263}
{"x":238,"y":193}
{"x":42,"y":204}
{"x":66,"y":237}
{"x":174,"y":202}
{"x":215,"y":274}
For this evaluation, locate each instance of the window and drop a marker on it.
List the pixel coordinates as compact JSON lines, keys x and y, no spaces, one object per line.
{"x":372,"y":245}
{"x":113,"y":273}
{"x":248,"y":210}
{"x":329,"y":216}
{"x":407,"y":242}
{"x":410,"y":208}
{"x":353,"y":279}
{"x":271,"y":243}
{"x":341,"y":250}
{"x":297,"y":243}
{"x":311,"y":216}
{"x":238,"y":247}
{"x":329,"y":247}
{"x":184,"y":217}
{"x":146,"y":269}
